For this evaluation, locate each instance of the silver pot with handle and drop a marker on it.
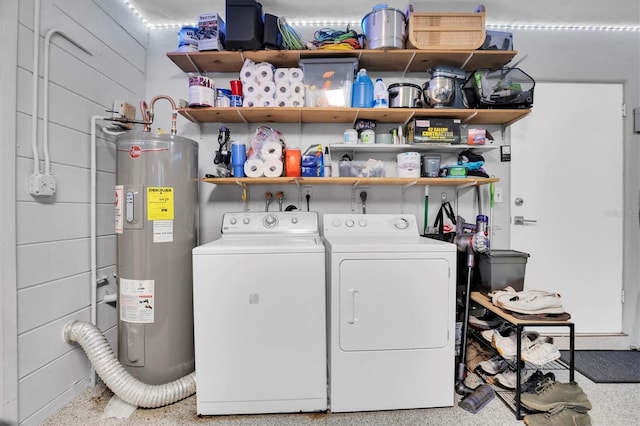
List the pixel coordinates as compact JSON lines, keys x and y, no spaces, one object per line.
{"x":384,"y":28}
{"x":405,"y":95}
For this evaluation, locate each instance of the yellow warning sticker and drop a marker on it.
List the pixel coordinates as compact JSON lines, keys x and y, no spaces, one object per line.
{"x":159,"y":203}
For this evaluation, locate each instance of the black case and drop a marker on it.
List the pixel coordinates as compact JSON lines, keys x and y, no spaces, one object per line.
{"x":272,"y":37}
{"x":245,"y":26}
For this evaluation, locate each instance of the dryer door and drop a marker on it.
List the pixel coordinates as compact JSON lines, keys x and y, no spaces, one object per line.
{"x":394,"y":303}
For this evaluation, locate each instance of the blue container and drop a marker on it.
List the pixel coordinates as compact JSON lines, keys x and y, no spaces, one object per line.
{"x":309,"y":165}
{"x":238,"y":158}
{"x":362,"y":94}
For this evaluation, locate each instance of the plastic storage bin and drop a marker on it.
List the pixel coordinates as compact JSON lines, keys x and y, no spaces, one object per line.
{"x":499,"y":88}
{"x":502,"y":268}
{"x":328,"y":81}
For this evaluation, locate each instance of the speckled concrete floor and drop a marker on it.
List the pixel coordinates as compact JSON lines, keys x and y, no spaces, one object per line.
{"x":613,"y":405}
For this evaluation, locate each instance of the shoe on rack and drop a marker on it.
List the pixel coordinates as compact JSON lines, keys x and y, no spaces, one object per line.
{"x":550,"y":395}
{"x":494,"y":295}
{"x":540,"y":353}
{"x":536,"y":380}
{"x":507,"y":379}
{"x":493,"y":366}
{"x":506,"y":345}
{"x":560,"y":416}
{"x":484,"y":322}
{"x":531,"y":302}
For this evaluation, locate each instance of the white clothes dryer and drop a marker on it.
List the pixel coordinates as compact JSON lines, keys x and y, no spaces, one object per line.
{"x":260,"y":316}
{"x":391,"y":299}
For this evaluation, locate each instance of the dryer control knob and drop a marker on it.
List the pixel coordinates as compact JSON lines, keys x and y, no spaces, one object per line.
{"x":401,"y":223}
{"x":270,"y":221}
{"x":246,"y":220}
{"x":294,"y":220}
{"x":349,"y":223}
{"x":362,"y":223}
{"x":233,"y":221}
{"x":336,"y":222}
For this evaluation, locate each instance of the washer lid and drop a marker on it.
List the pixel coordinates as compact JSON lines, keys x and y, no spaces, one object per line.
{"x":247,"y":244}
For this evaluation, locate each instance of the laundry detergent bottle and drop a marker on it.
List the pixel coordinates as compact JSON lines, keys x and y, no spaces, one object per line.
{"x":362,"y":94}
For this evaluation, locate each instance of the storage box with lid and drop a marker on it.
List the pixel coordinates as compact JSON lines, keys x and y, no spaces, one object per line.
{"x":445,"y":30}
{"x":500,"y":268}
{"x":328,"y":81}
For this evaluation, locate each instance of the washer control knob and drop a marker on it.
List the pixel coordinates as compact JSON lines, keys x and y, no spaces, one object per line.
{"x":362,"y":223}
{"x":349,"y":223}
{"x":401,"y":223}
{"x":294,"y":220}
{"x":270,"y":221}
{"x":336,"y":223}
{"x":233,"y":221}
{"x":246,"y":220}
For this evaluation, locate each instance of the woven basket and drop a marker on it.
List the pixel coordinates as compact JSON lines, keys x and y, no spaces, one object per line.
{"x":445,"y":31}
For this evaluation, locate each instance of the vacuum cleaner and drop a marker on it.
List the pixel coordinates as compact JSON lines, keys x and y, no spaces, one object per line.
{"x":474,"y":399}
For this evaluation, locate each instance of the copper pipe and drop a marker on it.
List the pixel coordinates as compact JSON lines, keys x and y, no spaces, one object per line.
{"x":148,"y":114}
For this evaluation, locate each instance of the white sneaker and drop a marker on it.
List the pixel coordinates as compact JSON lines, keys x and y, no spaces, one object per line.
{"x":540,"y":353}
{"x":495,"y":365}
{"x":531,"y":302}
{"x":507,"y":379}
{"x":506,"y":346}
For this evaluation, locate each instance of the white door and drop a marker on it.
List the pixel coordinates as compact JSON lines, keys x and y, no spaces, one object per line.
{"x":566,"y":175}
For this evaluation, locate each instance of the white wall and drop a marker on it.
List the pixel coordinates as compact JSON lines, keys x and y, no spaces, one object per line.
{"x":52,"y":234}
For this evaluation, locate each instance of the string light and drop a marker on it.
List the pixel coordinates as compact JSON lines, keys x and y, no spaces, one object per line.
{"x":354,"y":23}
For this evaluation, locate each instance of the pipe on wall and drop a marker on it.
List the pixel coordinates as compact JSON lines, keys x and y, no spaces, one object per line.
{"x":119,"y":380}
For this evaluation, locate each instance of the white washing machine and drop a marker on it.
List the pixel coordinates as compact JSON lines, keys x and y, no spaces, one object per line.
{"x":391,"y":299}
{"x":260,"y":316}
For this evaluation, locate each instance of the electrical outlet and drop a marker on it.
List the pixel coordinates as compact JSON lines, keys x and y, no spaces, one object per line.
{"x":42,"y":184}
{"x":497,"y":195}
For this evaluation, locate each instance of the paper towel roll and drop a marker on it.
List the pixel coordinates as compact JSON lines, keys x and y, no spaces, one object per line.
{"x":267,"y":102}
{"x":252,"y":101}
{"x":247,"y":74}
{"x":296,"y":88}
{"x":296,"y":74}
{"x":264,"y":72}
{"x":296,"y":101}
{"x":283,"y":87}
{"x":254,"y":167}
{"x":267,"y":88}
{"x":271,"y":149}
{"x":273,"y":168}
{"x":250,"y":88}
{"x":281,"y":74}
{"x":282,"y":101}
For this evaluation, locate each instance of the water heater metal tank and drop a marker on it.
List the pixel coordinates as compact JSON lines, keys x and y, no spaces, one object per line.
{"x":156,"y":227}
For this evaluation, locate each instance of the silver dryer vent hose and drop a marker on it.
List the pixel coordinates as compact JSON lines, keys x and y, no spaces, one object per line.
{"x":119,"y":380}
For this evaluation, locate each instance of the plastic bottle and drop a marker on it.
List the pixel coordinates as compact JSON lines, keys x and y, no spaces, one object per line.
{"x":380,"y":95}
{"x":320,"y":162}
{"x":327,"y":162}
{"x":362,"y":93}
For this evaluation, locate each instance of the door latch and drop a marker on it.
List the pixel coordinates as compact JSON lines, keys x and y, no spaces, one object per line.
{"x":520,"y":220}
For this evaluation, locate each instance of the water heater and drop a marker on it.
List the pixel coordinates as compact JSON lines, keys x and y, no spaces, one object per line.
{"x":156,"y":228}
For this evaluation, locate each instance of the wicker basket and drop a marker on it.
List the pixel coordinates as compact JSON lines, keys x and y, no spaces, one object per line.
{"x":445,"y":31}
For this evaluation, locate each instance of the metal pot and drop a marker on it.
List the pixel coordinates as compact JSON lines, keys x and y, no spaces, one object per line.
{"x":405,"y":95}
{"x":438,"y":91}
{"x":384,"y":28}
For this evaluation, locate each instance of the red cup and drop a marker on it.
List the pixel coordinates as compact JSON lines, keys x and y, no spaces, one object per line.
{"x":236,"y":87}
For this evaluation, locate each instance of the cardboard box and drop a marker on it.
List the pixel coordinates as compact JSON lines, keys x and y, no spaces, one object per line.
{"x":211,"y":32}
{"x":478,"y":137}
{"x":438,"y":130}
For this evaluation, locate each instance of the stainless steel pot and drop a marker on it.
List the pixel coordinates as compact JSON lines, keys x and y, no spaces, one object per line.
{"x":438,"y":91}
{"x":384,"y":28}
{"x":404,"y":95}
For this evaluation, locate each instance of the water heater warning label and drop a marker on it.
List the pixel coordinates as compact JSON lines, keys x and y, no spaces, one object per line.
{"x":159,"y":203}
{"x":136,"y":301}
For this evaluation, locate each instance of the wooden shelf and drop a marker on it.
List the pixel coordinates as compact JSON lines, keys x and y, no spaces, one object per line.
{"x":469,"y":181}
{"x":398,"y":60}
{"x":347,"y":115}
{"x":419,"y":147}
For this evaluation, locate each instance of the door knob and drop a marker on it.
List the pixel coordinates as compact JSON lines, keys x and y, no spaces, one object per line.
{"x":518,"y":201}
{"x":520,"y":220}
